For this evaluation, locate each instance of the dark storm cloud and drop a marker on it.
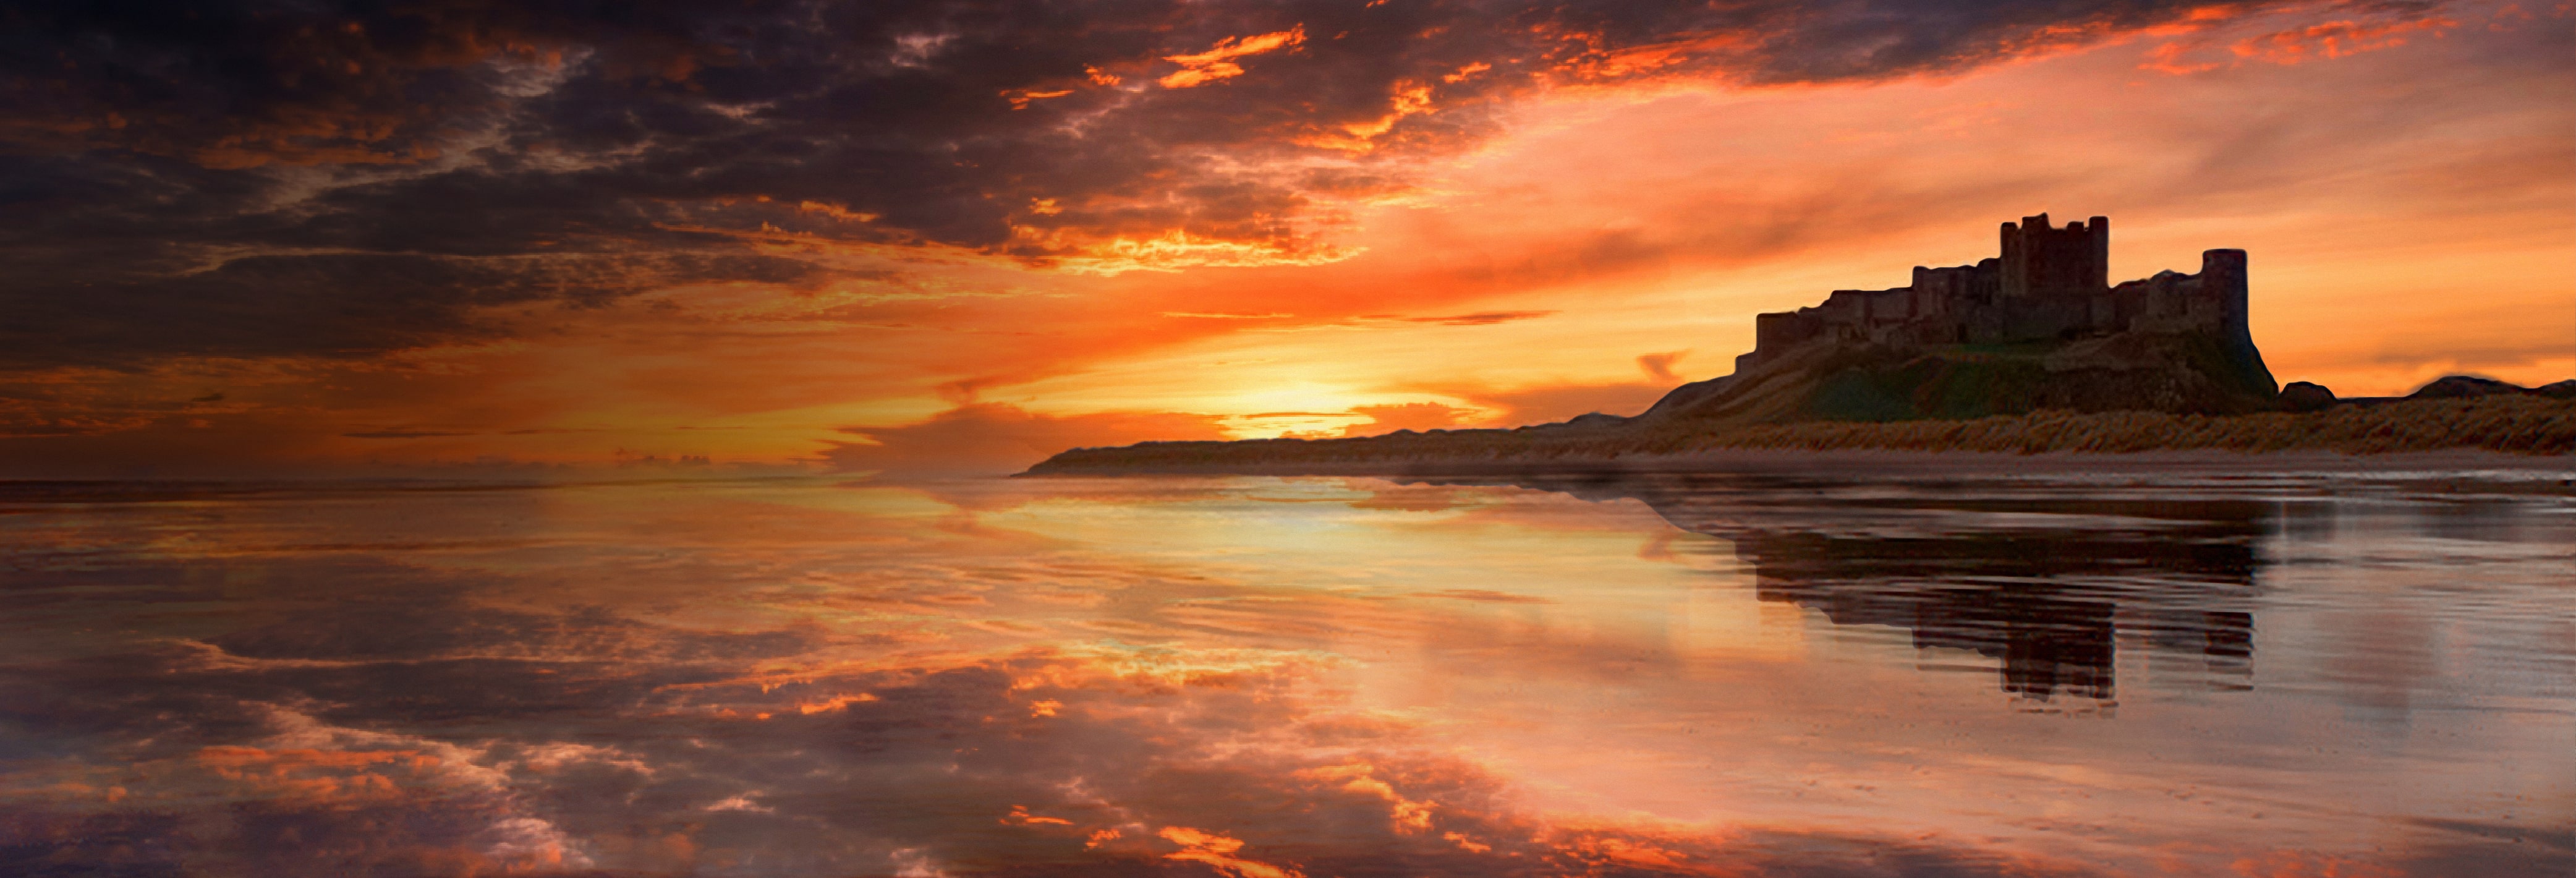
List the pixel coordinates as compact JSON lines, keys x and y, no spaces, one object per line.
{"x":328,"y":304}
{"x":344,"y":179}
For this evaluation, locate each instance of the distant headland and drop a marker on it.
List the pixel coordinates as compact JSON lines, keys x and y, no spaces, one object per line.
{"x":2033,"y":350}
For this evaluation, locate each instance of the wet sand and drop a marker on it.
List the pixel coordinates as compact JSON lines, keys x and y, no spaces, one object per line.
{"x":2524,"y":467}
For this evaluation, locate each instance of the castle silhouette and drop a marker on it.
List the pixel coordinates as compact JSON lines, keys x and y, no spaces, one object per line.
{"x":2048,"y":284}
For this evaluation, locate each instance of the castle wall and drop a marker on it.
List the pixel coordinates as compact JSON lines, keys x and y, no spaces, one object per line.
{"x":2049,"y":283}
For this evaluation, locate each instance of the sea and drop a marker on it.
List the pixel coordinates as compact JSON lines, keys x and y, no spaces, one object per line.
{"x":2054,"y":672}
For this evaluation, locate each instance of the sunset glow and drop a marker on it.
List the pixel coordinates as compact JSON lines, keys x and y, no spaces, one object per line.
{"x":610,"y":246}
{"x":1287,"y":439}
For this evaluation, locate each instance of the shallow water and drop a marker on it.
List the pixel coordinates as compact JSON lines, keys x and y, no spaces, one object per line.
{"x":1692,"y":675}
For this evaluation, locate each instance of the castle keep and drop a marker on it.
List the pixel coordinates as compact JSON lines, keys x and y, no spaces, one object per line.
{"x":2049,"y":283}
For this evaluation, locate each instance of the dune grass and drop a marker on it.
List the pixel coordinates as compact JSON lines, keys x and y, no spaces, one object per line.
{"x":2532,"y":425}
{"x":2518,"y":425}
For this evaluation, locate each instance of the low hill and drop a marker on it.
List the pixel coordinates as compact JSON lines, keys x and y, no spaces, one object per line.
{"x":2518,"y":423}
{"x":2185,"y":372}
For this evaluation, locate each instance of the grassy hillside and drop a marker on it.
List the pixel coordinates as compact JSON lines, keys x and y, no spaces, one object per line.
{"x":2517,"y":424}
{"x":2170,"y":372}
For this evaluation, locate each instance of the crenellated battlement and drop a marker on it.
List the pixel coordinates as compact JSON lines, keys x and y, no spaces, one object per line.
{"x":2042,"y":260}
{"x":2047,"y":283}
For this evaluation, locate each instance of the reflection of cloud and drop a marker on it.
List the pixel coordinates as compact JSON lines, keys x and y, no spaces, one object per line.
{"x":996,"y":438}
{"x":1036,"y":762}
{"x":760,"y":680}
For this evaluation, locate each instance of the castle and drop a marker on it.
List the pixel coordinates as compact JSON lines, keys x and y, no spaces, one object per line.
{"x":2048,"y":284}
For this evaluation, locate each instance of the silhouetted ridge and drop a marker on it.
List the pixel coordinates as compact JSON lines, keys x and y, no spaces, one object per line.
{"x":2037,"y":327}
{"x":2032,"y":350}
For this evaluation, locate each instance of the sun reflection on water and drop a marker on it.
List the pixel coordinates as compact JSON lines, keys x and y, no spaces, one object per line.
{"x":1688,"y":675}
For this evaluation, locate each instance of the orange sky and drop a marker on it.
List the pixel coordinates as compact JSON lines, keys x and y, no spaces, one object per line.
{"x":2404,"y":181}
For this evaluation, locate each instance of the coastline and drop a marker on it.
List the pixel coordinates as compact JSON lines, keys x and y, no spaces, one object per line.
{"x":1785,"y":461}
{"x":2521,"y":433}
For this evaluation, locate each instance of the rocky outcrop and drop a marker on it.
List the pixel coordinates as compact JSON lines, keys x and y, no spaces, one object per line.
{"x":2301,"y":396}
{"x":2465,"y":386}
{"x":2305,"y":396}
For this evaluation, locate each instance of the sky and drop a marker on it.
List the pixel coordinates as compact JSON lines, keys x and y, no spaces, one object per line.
{"x":961,"y":236}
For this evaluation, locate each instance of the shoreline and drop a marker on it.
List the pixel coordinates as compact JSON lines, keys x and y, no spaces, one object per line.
{"x":1784,"y":461}
{"x":2522,"y":433}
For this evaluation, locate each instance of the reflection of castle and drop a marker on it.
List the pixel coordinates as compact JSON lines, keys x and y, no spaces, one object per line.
{"x":2049,"y":283}
{"x":2049,"y":586}
{"x":2049,"y":605}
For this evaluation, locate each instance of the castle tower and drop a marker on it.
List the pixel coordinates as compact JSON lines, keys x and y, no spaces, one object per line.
{"x":2222,"y":285}
{"x":2040,"y":260}
{"x":2222,"y":282}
